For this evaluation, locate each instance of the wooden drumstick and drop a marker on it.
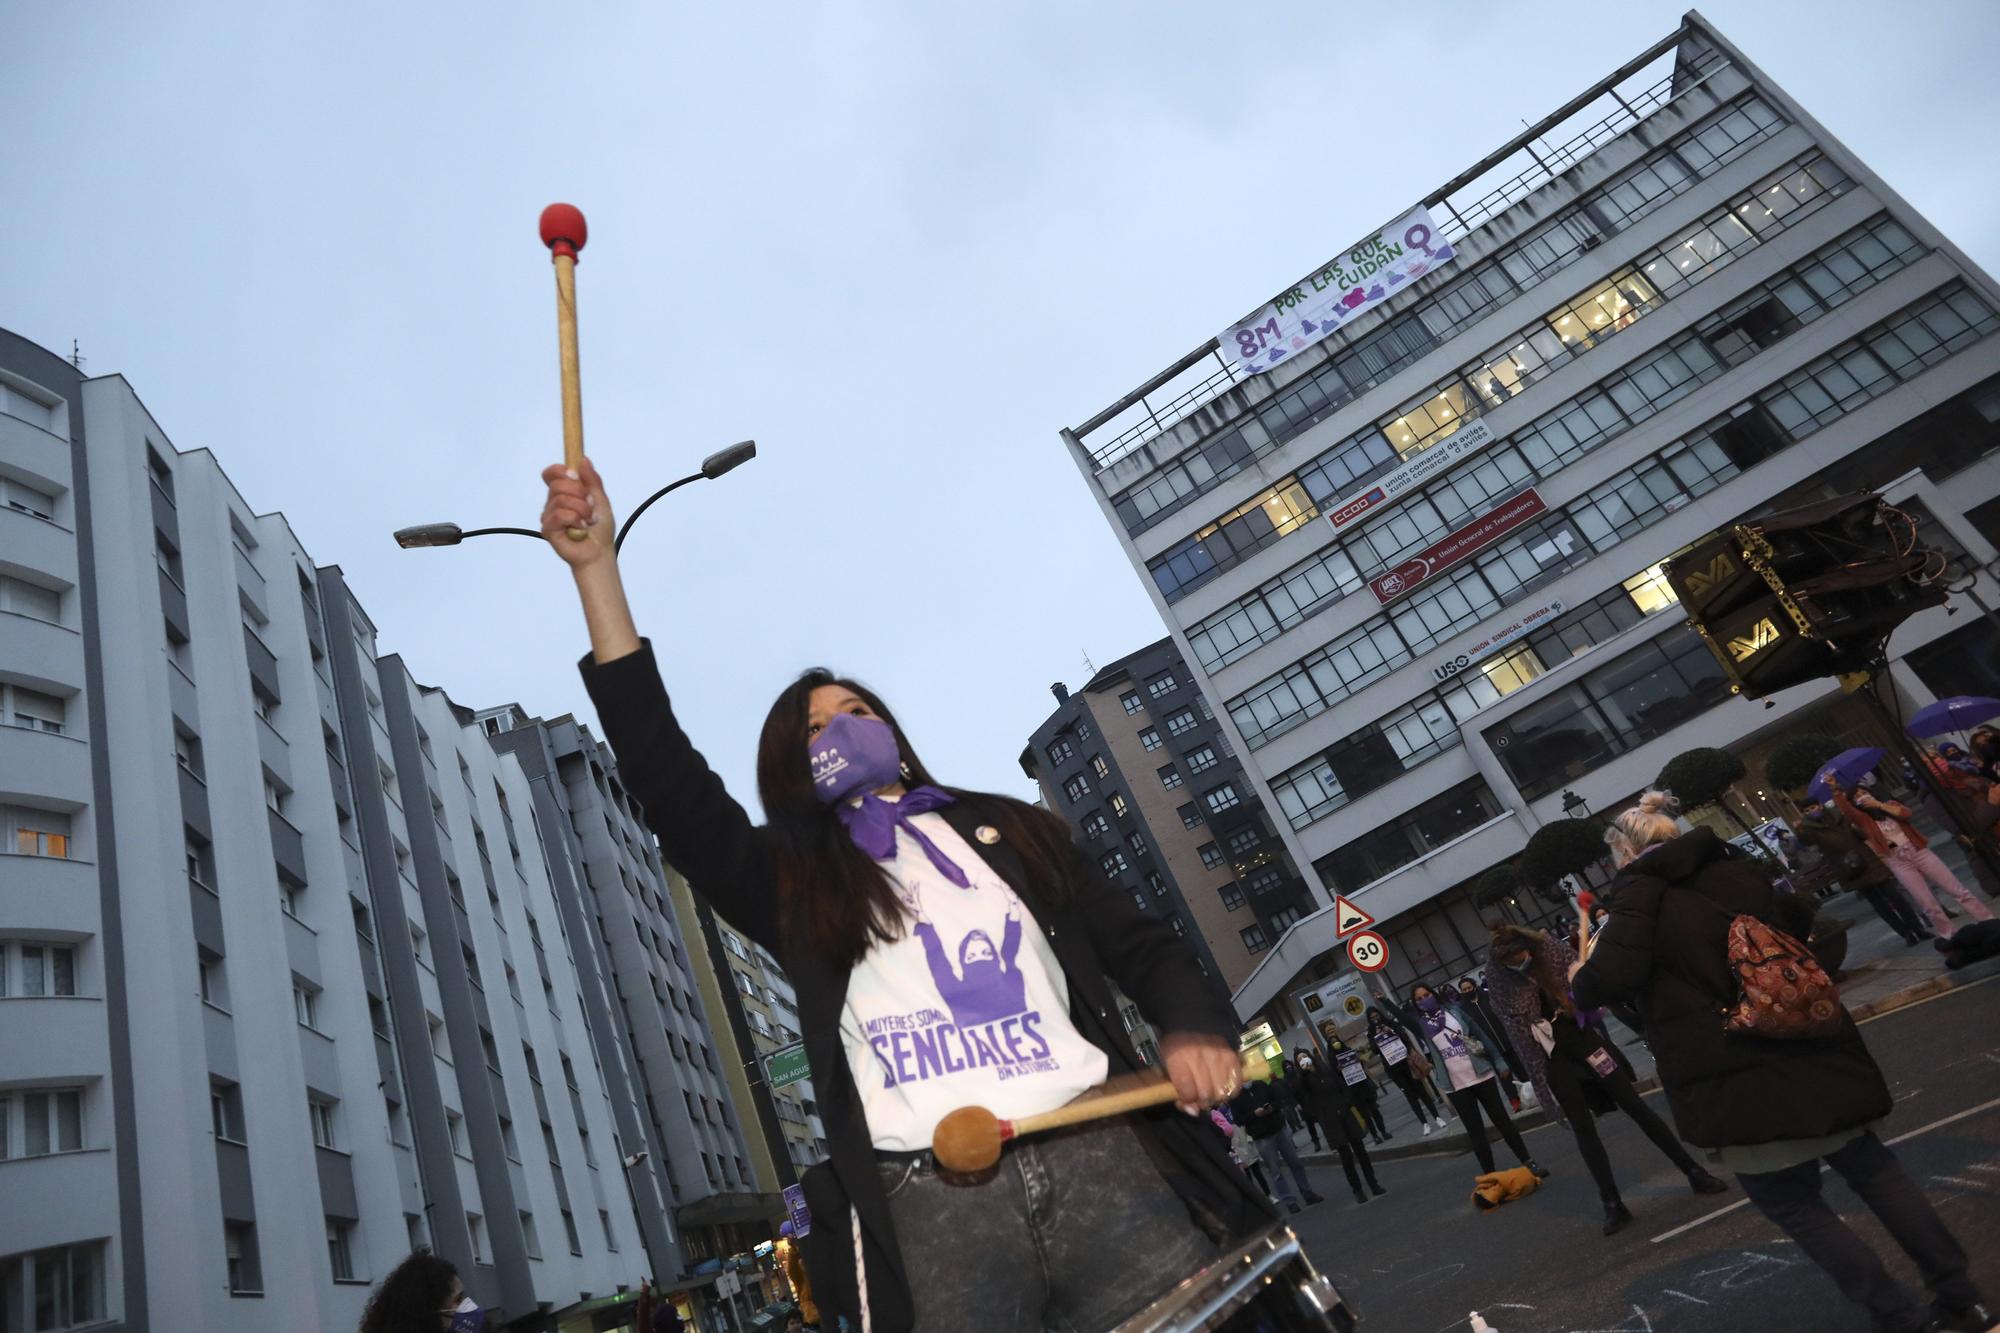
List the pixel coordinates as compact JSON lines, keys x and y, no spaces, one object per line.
{"x":969,"y":1139}
{"x":1584,"y":902}
{"x":564,"y":232}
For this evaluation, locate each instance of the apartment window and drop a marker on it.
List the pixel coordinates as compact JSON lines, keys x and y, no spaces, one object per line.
{"x":23,"y":707}
{"x":610,"y":1237}
{"x":291,"y":894}
{"x":1118,"y":806}
{"x":340,"y":1248}
{"x":1244,"y":841}
{"x":1265,"y":879}
{"x":570,"y":1232}
{"x":1095,"y":825}
{"x":1409,"y":836}
{"x":1201,"y":759}
{"x":320,"y":1111}
{"x":1131,"y":702}
{"x":305,"y":1004}
{"x":239,"y":1248}
{"x":35,"y":832}
{"x":454,"y":1126}
{"x":1211,"y":855}
{"x":1222,"y":798}
{"x":1077,"y":788}
{"x":1179,"y":926}
{"x":1162,"y":684}
{"x":187,"y":751}
{"x":1232,"y":896}
{"x":1082,"y":730}
{"x":1281,"y":921}
{"x":1253,"y":939}
{"x":30,"y":969}
{"x":212,"y":980}
{"x":440,"y":1044}
{"x":476,"y":1225}
{"x":1150,"y":738}
{"x":67,"y":1285}
{"x":1191,"y":816}
{"x":530,"y":1239}
{"x":37,"y":1122}
{"x":1170,"y":777}
{"x":1060,"y":751}
{"x":274,"y":796}
{"x":1099,"y":767}
{"x":1113,"y":863}
{"x":1180,"y":722}
{"x":1137,"y":842}
{"x":225,"y":1110}
{"x":1157,"y":883}
{"x":31,"y":600}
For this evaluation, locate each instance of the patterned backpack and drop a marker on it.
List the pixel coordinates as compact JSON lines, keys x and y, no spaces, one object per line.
{"x":1782,"y":991}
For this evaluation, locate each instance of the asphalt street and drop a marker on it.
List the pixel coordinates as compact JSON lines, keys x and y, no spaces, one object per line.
{"x":1421,"y":1258}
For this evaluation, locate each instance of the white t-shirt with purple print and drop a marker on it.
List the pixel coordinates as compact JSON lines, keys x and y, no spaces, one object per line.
{"x":969,"y":1007}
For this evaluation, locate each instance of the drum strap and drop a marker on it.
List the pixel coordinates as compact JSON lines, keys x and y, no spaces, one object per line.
{"x":860,"y":1269}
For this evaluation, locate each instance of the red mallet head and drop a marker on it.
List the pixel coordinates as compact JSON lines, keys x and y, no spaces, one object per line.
{"x":563,"y":229}
{"x":1586,"y":900}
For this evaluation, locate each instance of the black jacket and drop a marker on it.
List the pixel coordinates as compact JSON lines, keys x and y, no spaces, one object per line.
{"x":1258,"y":1095}
{"x":1096,"y":934}
{"x":1666,"y":946}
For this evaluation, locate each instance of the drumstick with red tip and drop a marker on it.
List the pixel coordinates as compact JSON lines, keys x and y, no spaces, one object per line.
{"x":564,"y":232}
{"x":968,"y":1140}
{"x":1585,"y":901}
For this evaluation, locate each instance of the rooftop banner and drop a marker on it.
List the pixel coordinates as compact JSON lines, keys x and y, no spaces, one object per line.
{"x":1322,"y":302}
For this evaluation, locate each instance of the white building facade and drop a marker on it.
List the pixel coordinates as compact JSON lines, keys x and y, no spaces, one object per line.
{"x":1415,"y":564}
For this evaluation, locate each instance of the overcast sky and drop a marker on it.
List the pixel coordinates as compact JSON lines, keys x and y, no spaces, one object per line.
{"x":899,"y":245}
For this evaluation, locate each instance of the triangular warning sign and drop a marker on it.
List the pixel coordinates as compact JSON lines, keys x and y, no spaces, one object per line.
{"x":1347,"y":918}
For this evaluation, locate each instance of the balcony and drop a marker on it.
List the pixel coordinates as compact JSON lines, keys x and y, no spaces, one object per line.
{"x":38,"y":544}
{"x":73,"y":1194}
{"x":45,"y":768}
{"x":50,"y":893}
{"x":53,"y":1038}
{"x":42,"y":652}
{"x":34,"y":450}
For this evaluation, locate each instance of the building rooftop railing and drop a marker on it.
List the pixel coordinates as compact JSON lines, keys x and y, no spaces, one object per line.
{"x":1605,"y":112}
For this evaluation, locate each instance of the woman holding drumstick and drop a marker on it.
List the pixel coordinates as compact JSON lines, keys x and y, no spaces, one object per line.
{"x":949,"y":948}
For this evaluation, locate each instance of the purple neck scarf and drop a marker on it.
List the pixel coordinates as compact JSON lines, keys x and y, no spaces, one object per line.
{"x":873,"y":823}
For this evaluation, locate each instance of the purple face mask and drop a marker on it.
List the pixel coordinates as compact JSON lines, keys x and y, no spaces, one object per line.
{"x":467,"y":1317}
{"x":853,"y":754}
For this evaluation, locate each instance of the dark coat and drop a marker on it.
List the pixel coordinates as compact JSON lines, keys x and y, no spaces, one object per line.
{"x":1097,"y":935}
{"x":1259,"y":1095}
{"x":1852,"y":860}
{"x":1326,"y":1095}
{"x":1666,"y":946}
{"x":1518,"y":1001}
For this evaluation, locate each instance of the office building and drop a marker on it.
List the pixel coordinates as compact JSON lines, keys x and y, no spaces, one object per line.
{"x":295,"y":974}
{"x":1410,"y":546}
{"x":1137,"y":764}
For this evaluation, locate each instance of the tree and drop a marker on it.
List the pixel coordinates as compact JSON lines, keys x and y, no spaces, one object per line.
{"x":1795,"y":760}
{"x":1559,"y":848}
{"x":1703,"y":777}
{"x":1498,"y":886}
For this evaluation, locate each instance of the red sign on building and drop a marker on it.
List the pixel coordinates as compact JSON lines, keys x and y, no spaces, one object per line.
{"x":1434,"y":560}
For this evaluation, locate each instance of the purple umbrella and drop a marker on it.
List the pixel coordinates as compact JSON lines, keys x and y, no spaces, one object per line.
{"x":1953,"y":714}
{"x":1848,"y":766}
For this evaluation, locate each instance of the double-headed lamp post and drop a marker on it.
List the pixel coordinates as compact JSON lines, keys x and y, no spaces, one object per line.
{"x":450,"y":534}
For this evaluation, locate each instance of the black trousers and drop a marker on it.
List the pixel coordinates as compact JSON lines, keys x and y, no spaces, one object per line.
{"x":1894,"y":906}
{"x":1566,"y":1080}
{"x":1419,"y":1093}
{"x":1484,"y":1096}
{"x":1792,"y":1199}
{"x":1344,"y":1133}
{"x":1371,"y":1117}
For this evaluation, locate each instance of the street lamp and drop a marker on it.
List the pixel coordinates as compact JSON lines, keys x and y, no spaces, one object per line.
{"x":450,"y":534}
{"x":1573,"y":803}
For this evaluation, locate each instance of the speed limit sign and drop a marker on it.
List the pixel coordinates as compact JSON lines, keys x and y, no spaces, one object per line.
{"x":1368,"y":951}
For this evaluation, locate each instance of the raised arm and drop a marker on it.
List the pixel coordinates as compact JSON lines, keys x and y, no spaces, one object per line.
{"x":704,"y":832}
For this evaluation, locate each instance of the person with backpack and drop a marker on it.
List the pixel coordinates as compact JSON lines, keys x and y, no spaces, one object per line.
{"x":1578,"y":1071}
{"x":1395,"y":1047}
{"x":1772,"y":1093}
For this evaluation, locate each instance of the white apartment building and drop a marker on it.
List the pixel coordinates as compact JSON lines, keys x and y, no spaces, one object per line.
{"x":291,"y":980}
{"x":1415,"y":563}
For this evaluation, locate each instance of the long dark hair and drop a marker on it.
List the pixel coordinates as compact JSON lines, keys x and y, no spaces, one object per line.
{"x":410,"y":1298}
{"x":1507,"y":937}
{"x":827,"y":886}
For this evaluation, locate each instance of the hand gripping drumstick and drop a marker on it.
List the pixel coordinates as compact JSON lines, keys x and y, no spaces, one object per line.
{"x":969,"y":1139}
{"x":564,"y":232}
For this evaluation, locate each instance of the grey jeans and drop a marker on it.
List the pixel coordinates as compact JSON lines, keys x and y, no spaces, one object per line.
{"x":1074,"y":1232}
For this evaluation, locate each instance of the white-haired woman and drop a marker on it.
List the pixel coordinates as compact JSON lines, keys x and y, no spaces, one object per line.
{"x":1770,"y":1109}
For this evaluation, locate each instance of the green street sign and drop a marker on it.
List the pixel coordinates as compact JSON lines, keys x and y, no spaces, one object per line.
{"x":786,"y":1067}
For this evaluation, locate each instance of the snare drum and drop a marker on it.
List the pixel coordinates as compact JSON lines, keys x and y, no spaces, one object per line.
{"x":1265,"y":1286}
